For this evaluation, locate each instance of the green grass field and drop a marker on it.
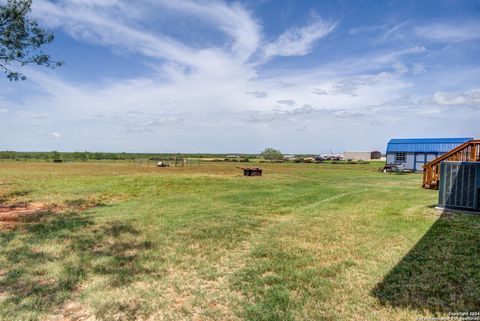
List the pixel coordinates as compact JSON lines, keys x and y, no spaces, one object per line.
{"x":303,"y":242}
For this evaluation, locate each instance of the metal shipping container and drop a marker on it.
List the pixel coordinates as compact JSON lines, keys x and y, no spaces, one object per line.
{"x":460,"y":185}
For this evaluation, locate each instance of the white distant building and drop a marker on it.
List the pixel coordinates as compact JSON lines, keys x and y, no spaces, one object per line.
{"x":289,"y":157}
{"x":356,"y":156}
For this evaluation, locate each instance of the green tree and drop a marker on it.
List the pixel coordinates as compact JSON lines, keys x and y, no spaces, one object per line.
{"x":84,"y":156}
{"x":21,"y":39}
{"x":9,"y":154}
{"x":56,"y":155}
{"x":271,"y":154}
{"x":79,"y":156}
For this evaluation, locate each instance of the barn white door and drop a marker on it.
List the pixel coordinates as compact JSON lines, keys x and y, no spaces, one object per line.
{"x":419,"y":161}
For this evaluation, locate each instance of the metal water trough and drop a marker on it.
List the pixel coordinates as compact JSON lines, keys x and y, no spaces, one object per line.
{"x":251,"y":171}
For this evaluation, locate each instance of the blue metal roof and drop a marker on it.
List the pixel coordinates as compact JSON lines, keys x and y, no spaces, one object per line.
{"x":425,"y":145}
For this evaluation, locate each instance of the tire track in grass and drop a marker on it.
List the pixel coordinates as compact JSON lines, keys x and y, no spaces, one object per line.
{"x":329,"y":199}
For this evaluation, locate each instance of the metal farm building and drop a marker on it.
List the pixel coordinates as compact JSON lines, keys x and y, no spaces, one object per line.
{"x":413,"y":153}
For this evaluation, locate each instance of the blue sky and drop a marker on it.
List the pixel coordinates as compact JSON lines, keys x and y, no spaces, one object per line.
{"x":222,"y":76}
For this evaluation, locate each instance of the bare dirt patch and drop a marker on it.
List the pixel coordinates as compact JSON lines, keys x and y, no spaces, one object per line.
{"x":72,"y":311}
{"x":12,"y":216}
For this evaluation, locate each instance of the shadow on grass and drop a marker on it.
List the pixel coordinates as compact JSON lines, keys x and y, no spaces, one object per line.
{"x":43,"y":263}
{"x":441,"y":273}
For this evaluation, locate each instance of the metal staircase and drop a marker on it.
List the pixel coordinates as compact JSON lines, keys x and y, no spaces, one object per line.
{"x":467,"y":152}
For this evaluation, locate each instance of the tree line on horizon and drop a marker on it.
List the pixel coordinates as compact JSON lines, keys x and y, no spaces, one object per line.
{"x":85,"y":156}
{"x":267,"y":154}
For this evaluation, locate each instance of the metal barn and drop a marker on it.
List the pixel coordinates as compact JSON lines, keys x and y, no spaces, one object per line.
{"x":413,"y":153}
{"x":459,"y":186}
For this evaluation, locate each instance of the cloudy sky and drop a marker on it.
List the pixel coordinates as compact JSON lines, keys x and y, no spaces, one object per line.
{"x":221,"y":76}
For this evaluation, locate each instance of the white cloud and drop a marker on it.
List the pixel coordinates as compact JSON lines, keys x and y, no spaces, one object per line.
{"x":305,"y":109}
{"x":151,"y":124}
{"x":232,"y":19}
{"x":354,"y":84}
{"x":3,"y":110}
{"x":284,"y":115}
{"x":393,"y":56}
{"x":349,"y":115}
{"x":450,"y":32}
{"x":220,"y":97}
{"x":469,"y":98}
{"x":395,"y":32}
{"x":418,"y":68}
{"x":258,"y":94}
{"x":299,"y":41}
{"x":366,"y":29}
{"x":55,"y":135}
{"x":319,"y":91}
{"x":105,"y":23}
{"x":307,"y":114}
{"x":399,"y":67}
{"x":288,"y":102}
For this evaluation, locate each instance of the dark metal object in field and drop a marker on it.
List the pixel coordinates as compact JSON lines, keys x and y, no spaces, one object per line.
{"x":255,"y":171}
{"x":58,"y":160}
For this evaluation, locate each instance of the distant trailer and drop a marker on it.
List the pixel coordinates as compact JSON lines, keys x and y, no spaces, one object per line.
{"x":252,"y":171}
{"x":58,"y":160}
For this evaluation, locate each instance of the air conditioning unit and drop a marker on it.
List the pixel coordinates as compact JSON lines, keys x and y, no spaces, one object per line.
{"x":459,"y":186}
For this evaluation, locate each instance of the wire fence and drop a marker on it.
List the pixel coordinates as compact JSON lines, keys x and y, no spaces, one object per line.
{"x":168,"y":162}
